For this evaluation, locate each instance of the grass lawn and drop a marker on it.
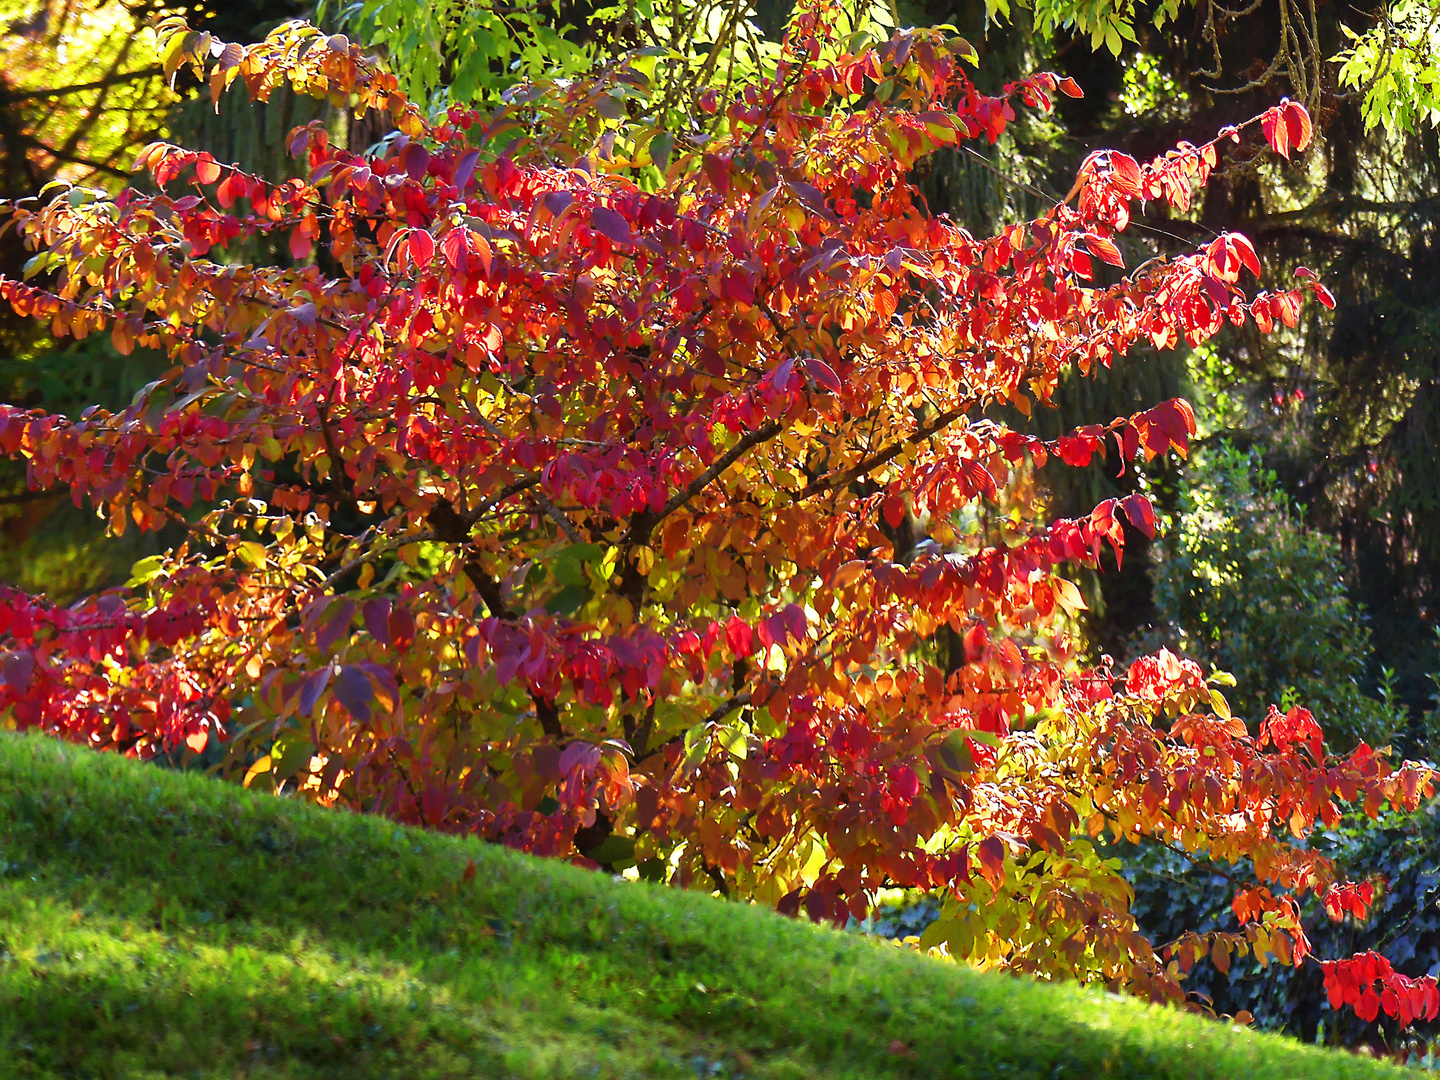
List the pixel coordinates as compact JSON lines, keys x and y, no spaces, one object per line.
{"x":155,"y":924}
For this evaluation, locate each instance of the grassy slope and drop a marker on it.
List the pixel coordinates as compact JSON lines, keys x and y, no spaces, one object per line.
{"x":155,"y":924}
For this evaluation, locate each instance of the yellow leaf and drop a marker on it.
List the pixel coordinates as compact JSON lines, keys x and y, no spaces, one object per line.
{"x":251,"y":553}
{"x":644,"y":559}
{"x":261,"y":766}
{"x":1220,"y":705}
{"x":1068,"y":596}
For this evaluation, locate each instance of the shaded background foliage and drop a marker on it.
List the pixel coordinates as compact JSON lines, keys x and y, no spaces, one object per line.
{"x":1242,"y":585}
{"x":1172,"y":892}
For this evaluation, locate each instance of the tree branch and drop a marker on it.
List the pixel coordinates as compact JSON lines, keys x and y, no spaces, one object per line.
{"x":80,"y":88}
{"x":643,"y":524}
{"x":874,"y":461}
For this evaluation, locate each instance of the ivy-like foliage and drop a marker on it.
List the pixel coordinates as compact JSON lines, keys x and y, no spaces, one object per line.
{"x":544,"y":505}
{"x":1394,"y":66}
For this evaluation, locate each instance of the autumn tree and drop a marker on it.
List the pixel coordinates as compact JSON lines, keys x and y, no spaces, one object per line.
{"x":615,"y":509}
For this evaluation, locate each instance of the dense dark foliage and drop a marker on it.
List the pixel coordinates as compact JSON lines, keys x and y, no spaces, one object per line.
{"x":1348,"y":413}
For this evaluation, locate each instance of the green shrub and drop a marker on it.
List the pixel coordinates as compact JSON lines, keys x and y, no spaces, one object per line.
{"x":1242,"y":585}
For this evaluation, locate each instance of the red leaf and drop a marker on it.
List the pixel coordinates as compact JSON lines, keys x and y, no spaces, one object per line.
{"x":976,"y":639}
{"x":421,"y":247}
{"x":991,"y":852}
{"x":1075,"y":450}
{"x":1141,"y":514}
{"x":1288,"y":304}
{"x":1125,"y":171}
{"x":207,"y":171}
{"x":1333,"y":990}
{"x":231,"y":188}
{"x":979,"y":477}
{"x":1368,"y":1007}
{"x":1277,"y":133}
{"x":300,"y":245}
{"x":739,"y":637}
{"x":402,"y":627}
{"x":1246,"y":251}
{"x":1104,"y":247}
{"x":1297,"y":124}
{"x":581,"y":756}
{"x":1176,"y":420}
{"x":1069,"y":87}
{"x":717,"y":171}
{"x":1262,"y":310}
{"x":453,"y":248}
{"x":432,"y":805}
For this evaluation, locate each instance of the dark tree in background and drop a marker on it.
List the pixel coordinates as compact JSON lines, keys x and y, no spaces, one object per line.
{"x":1347,"y":408}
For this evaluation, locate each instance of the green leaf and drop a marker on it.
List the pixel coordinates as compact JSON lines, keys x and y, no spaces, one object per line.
{"x":661,"y":147}
{"x":733,"y":740}
{"x":613,"y":849}
{"x":146,"y":570}
{"x":568,"y":600}
{"x":289,"y":755}
{"x":697,"y":745}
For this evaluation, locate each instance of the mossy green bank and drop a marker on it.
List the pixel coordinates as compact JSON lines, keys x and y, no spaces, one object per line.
{"x":158,"y":924}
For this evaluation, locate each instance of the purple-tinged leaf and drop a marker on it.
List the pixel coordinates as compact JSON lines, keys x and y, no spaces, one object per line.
{"x":337,"y":622}
{"x":377,"y":619}
{"x":311,"y":689}
{"x":611,"y":225}
{"x":355,"y":691}
{"x":17,"y":669}
{"x":465,"y":171}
